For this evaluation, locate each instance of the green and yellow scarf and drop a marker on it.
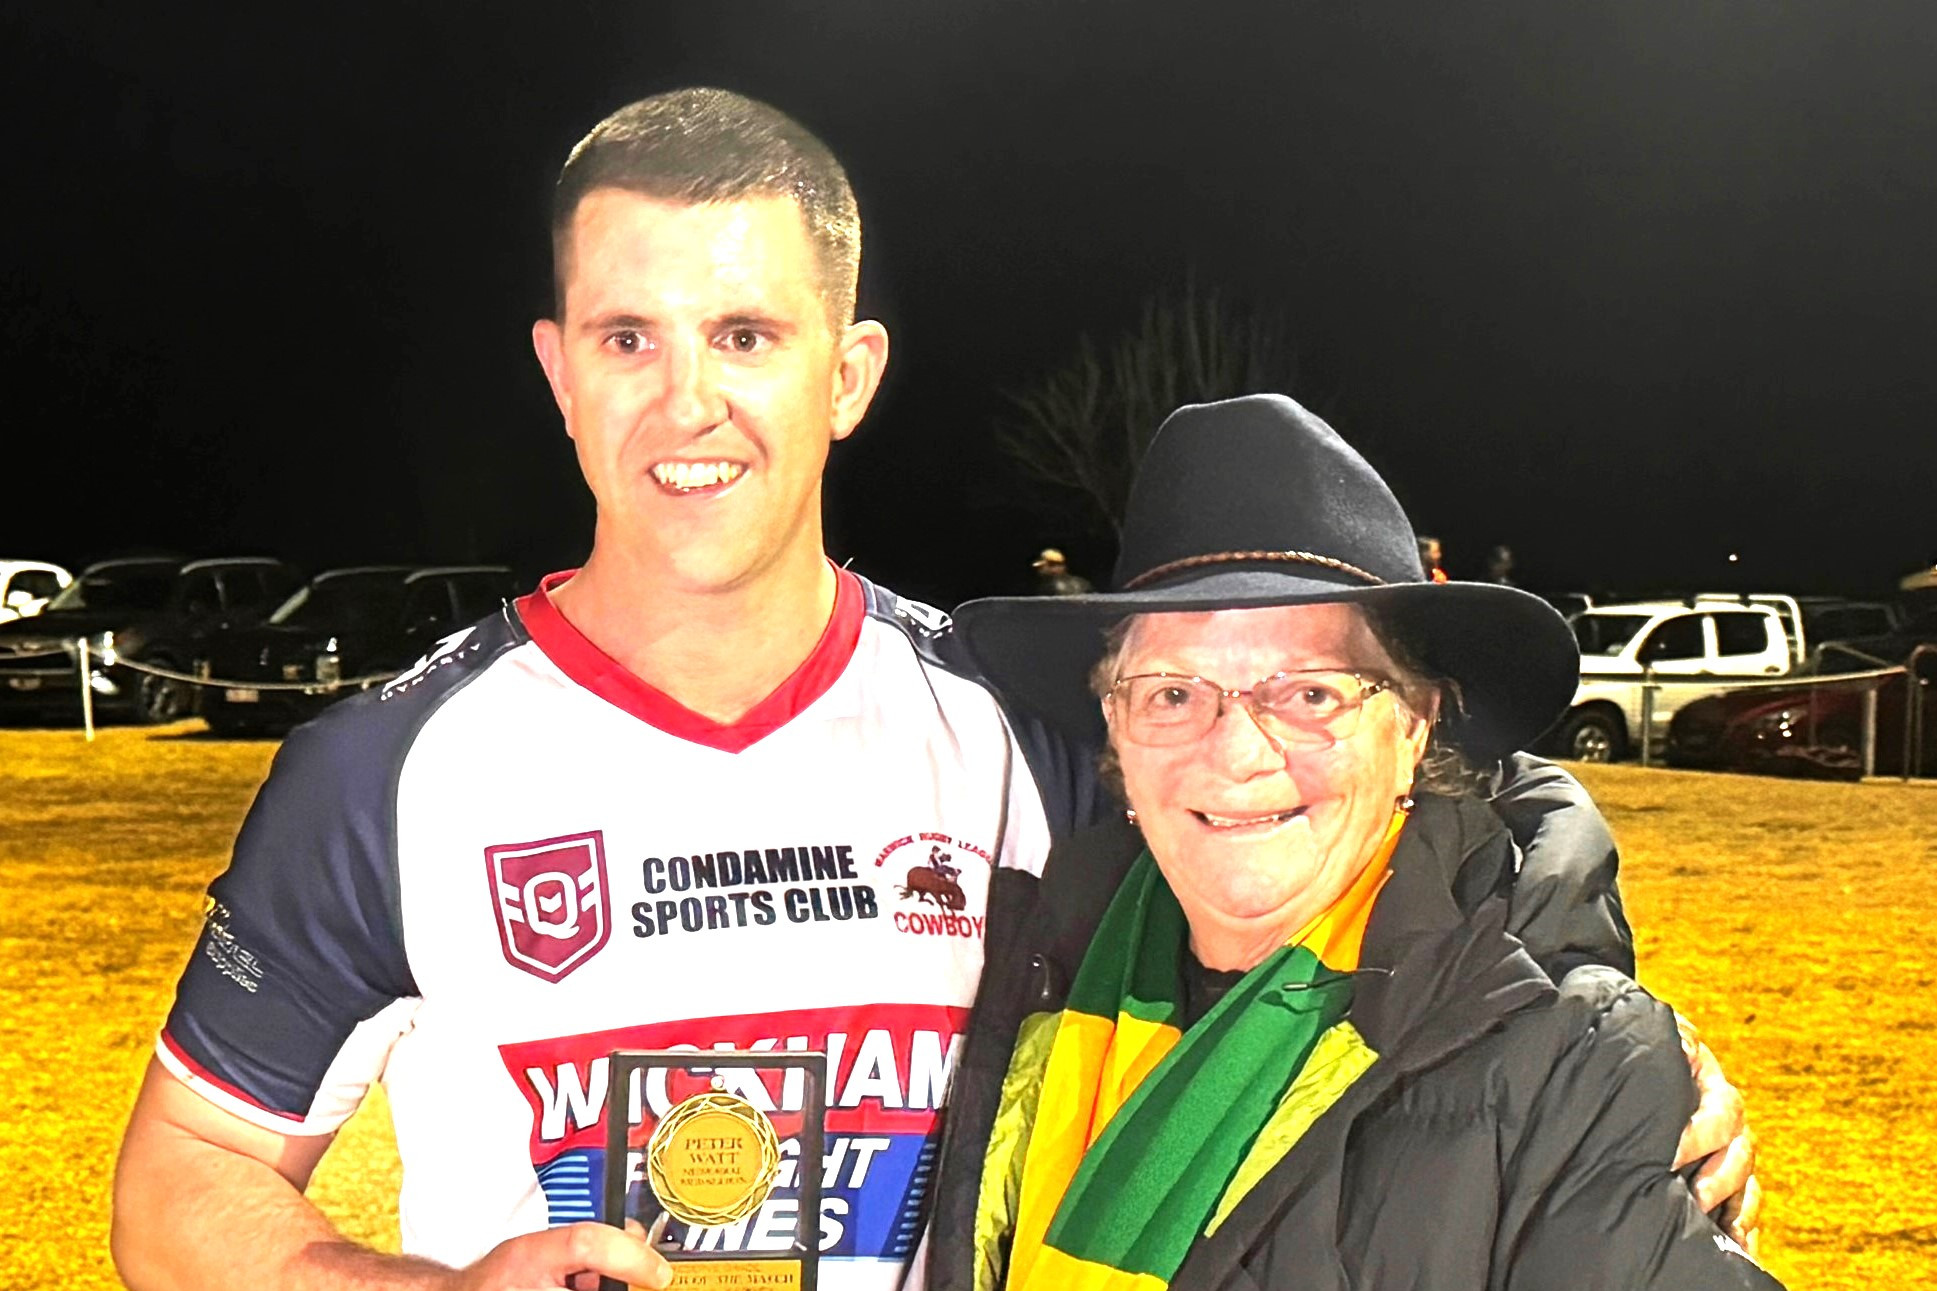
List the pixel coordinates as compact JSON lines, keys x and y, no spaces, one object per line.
{"x":1143,"y":1136}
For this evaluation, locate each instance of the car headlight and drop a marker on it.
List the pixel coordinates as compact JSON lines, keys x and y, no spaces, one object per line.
{"x":1782,"y":722}
{"x":102,"y":646}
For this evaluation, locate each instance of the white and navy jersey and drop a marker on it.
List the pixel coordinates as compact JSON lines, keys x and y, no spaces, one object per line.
{"x":517,"y":858}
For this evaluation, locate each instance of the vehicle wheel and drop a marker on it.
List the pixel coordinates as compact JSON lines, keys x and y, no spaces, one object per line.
{"x":1592,"y":736}
{"x":163,"y":699}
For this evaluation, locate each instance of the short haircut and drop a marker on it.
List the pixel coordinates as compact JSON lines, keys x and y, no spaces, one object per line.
{"x":700,"y":145}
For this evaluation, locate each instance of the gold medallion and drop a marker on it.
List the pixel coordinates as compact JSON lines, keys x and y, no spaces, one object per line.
{"x":712,"y":1160}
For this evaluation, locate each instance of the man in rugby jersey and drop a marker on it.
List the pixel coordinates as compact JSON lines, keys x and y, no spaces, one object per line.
{"x":707,"y":790}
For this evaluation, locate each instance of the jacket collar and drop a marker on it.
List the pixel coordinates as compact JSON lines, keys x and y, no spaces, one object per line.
{"x":1443,"y":970}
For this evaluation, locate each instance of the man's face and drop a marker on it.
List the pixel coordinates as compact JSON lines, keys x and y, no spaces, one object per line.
{"x":702,"y":382}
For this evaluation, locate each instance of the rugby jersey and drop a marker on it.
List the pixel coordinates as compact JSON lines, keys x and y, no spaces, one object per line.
{"x":476,"y":883}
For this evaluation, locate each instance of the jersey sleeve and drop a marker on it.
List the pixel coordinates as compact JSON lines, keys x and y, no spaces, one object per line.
{"x":1025,"y":828}
{"x":1064,"y":769}
{"x":299,"y":984}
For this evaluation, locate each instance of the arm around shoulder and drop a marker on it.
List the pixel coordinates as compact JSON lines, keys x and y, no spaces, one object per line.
{"x":1566,"y":903}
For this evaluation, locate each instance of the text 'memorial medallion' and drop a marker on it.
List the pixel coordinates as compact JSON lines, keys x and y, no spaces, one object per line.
{"x":713,"y":1160}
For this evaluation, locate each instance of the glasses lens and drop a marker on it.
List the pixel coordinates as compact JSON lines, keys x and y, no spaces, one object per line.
{"x":1314,"y":703}
{"x":1166,"y":710}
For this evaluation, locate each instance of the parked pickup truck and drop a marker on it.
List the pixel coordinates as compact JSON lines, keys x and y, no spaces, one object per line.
{"x":1681,"y":643}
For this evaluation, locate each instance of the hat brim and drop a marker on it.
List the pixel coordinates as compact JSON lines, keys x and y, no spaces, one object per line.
{"x":1512,"y":655}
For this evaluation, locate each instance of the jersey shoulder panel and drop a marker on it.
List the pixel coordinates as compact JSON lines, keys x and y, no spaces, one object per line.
{"x":927,"y":628}
{"x":1063,"y":768}
{"x":303,"y":936}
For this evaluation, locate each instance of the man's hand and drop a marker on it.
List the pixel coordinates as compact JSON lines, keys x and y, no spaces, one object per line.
{"x":203,"y":1198}
{"x":1718,"y":1136}
{"x":573,"y":1256}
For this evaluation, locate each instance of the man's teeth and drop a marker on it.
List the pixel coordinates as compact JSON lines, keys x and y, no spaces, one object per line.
{"x":696,"y":475}
{"x":1233,"y":822}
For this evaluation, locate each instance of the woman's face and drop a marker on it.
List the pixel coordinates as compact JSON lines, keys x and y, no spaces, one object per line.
{"x":1254,"y":836}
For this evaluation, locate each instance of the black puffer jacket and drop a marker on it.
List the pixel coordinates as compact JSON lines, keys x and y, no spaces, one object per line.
{"x":1510,"y":1134}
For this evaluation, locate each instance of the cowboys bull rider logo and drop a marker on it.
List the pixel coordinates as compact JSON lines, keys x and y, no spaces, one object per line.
{"x":936,"y":881}
{"x":552,"y":903}
{"x":935,"y":902}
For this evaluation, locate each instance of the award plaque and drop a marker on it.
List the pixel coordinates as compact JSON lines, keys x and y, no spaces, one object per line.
{"x":699,"y":1144}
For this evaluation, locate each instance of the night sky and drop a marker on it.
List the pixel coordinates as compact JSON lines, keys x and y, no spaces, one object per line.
{"x":1630,"y":286}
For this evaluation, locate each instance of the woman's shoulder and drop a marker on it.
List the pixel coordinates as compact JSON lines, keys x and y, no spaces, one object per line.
{"x":1596,"y":1010}
{"x":1600,"y":1058}
{"x":1588,"y":1164}
{"x":1596,"y":1028}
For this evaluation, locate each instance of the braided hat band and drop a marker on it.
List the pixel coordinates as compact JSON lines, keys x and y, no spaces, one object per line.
{"x":1149,"y":576}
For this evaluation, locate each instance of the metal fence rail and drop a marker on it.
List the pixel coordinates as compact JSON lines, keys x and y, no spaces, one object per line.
{"x":1914,"y":708}
{"x":85,"y":660}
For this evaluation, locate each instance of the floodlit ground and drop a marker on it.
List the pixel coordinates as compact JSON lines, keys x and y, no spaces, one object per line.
{"x":1792,"y":920}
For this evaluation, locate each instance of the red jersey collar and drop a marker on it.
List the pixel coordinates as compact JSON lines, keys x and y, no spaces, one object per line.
{"x":582,"y":661}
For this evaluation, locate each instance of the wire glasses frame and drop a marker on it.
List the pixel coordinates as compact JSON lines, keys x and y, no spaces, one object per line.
{"x":1305,"y":708}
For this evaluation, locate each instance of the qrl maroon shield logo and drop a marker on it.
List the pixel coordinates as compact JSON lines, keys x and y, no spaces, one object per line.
{"x":553,"y":912}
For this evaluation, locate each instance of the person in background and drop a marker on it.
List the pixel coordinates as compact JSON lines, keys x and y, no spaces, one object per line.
{"x":1053,"y":577}
{"x":1499,"y":566}
{"x":1432,"y":556}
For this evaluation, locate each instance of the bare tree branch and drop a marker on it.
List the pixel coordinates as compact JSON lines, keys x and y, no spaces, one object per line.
{"x":1079,"y":430}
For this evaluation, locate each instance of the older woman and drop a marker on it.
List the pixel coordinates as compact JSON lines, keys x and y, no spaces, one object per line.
{"x":1298,"y":1045}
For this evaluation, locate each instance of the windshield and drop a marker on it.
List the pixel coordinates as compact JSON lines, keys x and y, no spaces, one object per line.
{"x":118,"y":587}
{"x":345,"y":602}
{"x":1606,"y":634}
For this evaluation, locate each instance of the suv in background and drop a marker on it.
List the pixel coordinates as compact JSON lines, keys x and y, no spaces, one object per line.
{"x":1623,"y":646}
{"x":347,"y":630}
{"x":27,"y":585}
{"x":1813,"y":622}
{"x":153,"y":610}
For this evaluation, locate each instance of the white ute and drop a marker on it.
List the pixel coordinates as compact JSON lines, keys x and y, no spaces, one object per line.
{"x":1678,"y":644}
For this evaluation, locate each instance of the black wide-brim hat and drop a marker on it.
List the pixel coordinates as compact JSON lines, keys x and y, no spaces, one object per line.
{"x":1256,"y":502}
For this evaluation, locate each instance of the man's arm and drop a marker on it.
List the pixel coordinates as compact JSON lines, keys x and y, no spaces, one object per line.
{"x":204,"y":1198}
{"x":1566,"y":902}
{"x":285,"y":1011}
{"x":1566,"y":907}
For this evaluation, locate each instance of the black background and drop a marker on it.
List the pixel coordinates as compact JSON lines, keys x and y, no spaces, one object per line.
{"x":1629,"y":286}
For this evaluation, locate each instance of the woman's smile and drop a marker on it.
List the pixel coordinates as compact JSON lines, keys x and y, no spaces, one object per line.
{"x":1250,"y":822}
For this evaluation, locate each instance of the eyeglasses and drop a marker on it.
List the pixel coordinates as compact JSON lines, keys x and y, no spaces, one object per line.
{"x":1304,"y":709}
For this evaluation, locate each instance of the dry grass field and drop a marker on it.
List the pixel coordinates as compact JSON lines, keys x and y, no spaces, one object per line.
{"x":1791,"y":920}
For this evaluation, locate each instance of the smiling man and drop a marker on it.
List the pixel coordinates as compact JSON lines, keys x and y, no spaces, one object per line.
{"x":706,"y":791}
{"x":704,"y":363}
